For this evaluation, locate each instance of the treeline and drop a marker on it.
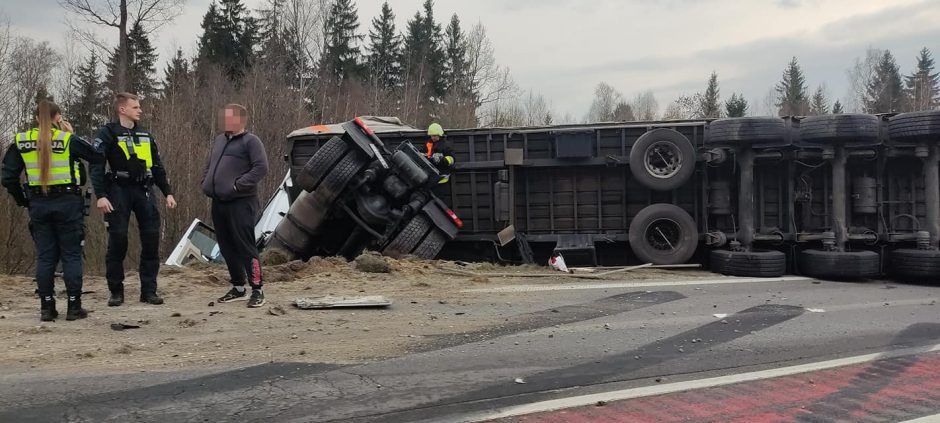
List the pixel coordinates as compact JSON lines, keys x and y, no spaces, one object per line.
{"x":876,"y":86}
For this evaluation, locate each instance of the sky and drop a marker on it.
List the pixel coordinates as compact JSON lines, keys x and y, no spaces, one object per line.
{"x":563,"y":48}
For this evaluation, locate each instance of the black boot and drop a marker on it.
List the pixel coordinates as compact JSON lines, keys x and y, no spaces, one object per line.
{"x":117,"y":298}
{"x":75,"y":309}
{"x":151,"y":298}
{"x":47,"y":311}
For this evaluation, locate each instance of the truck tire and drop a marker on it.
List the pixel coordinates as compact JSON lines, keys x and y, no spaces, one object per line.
{"x":663,"y":234}
{"x":322,"y":162}
{"x":662,"y":159}
{"x":308,"y":212}
{"x":335,"y":182}
{"x":916,"y":264}
{"x":915,"y":126}
{"x":755,"y":263}
{"x":747,"y":130}
{"x":851,"y":129}
{"x":840,"y":265}
{"x":431,"y":245}
{"x":410,"y":237}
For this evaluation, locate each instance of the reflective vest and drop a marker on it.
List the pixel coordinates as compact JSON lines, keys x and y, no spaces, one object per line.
{"x":139,"y":145}
{"x":64,"y":170}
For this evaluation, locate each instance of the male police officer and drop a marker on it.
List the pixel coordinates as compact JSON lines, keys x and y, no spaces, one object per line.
{"x":134,"y":167}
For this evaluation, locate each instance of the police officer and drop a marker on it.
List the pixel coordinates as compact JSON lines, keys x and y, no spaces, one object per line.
{"x":134,"y":167}
{"x":49,"y":155}
{"x":439,"y":151}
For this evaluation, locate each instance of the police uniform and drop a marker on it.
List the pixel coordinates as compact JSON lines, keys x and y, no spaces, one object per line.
{"x":56,"y":216}
{"x":134,"y":167}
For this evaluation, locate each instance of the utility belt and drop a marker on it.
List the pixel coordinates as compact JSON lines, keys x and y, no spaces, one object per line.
{"x":125,"y":178}
{"x":36,"y":191}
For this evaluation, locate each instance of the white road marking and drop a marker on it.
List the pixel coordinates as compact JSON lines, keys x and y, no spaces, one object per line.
{"x":646,"y":391}
{"x":720,"y":315}
{"x":929,"y":419}
{"x":612,"y":285}
{"x":815,"y":310}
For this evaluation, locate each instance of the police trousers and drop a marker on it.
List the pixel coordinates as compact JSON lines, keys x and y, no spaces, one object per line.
{"x":140,"y":201}
{"x":58,"y":225}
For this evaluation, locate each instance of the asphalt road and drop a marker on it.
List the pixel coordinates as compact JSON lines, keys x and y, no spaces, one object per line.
{"x":573,"y":342}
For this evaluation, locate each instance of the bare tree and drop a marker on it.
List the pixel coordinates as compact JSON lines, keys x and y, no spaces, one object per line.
{"x":121,"y":15}
{"x":606,"y":99}
{"x":860,"y":76}
{"x":645,"y":106}
{"x":489,"y":81}
{"x":685,"y":107}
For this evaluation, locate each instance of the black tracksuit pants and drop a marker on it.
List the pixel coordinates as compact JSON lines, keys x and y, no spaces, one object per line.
{"x":57,"y":224}
{"x":140,"y":201}
{"x":234,"y":222}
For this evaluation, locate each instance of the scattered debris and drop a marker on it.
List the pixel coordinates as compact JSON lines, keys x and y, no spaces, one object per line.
{"x":123,"y":326}
{"x":600,"y":403}
{"x":372,"y":262}
{"x":520,"y":381}
{"x":212,"y":304}
{"x":277,"y":311}
{"x":37,"y":330}
{"x":607,"y":326}
{"x":720,"y":315}
{"x":124,"y":349}
{"x":341,"y":302}
{"x":176,"y":315}
{"x":187,"y":323}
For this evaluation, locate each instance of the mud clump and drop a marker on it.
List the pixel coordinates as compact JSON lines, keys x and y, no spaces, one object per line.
{"x":275,"y":257}
{"x":371,"y":262}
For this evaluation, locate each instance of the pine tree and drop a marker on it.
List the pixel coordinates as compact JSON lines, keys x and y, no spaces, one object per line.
{"x":710,"y":107}
{"x":791,"y":91}
{"x":820,"y":104}
{"x":456,"y":63}
{"x":837,"y":108}
{"x":384,"y":59}
{"x":229,"y":37}
{"x":88,"y":108}
{"x":141,"y":64}
{"x":736,"y":106}
{"x":923,"y":85}
{"x":341,"y":55}
{"x":885,"y":91}
{"x":623,"y":112}
{"x":176,"y":76}
{"x":424,"y":56}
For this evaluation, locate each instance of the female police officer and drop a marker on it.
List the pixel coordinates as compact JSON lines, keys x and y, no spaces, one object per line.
{"x":48,"y":154}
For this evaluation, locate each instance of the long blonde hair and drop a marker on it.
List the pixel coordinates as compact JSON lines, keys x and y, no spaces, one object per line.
{"x":45,"y":112}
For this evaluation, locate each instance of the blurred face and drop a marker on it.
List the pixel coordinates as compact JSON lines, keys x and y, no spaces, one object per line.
{"x":435,"y":138}
{"x":231,"y":121}
{"x":130,"y":109}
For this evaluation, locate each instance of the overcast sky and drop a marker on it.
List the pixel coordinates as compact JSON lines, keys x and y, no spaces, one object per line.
{"x":563,"y":48}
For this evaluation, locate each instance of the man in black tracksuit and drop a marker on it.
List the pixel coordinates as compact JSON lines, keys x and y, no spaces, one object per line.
{"x":134,"y":167}
{"x":237,"y":164}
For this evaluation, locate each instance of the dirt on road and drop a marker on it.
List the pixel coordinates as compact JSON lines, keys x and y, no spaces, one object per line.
{"x":193,"y":330}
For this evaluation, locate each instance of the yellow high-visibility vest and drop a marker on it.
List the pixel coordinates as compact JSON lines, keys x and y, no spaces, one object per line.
{"x":140,"y":145}
{"x":64,"y":170}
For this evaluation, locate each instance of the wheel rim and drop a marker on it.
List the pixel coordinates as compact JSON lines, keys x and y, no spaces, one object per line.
{"x":664,"y":235}
{"x":663,"y":160}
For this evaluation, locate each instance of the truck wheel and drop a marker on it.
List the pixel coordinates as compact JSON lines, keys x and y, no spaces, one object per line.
{"x":916,"y":264}
{"x":431,"y":245}
{"x":663,"y":234}
{"x":840,"y":265}
{"x":662,"y":159}
{"x":308,"y":212}
{"x":916,"y":126}
{"x":410,"y":239}
{"x":852,"y":129}
{"x":322,"y":162}
{"x":755,"y":263}
{"x":339,"y":177}
{"x":747,"y":130}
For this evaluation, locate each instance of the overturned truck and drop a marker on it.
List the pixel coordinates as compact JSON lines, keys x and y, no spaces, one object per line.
{"x":835,"y":196}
